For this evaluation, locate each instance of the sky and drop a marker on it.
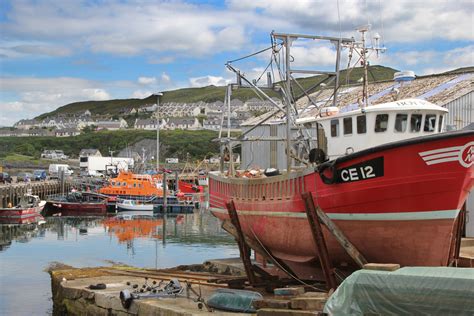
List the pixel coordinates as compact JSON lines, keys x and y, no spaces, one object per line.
{"x":54,"y":52}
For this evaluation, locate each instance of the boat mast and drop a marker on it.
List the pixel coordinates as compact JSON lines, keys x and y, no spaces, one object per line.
{"x":361,"y":49}
{"x":288,"y":105}
{"x":365,"y":91}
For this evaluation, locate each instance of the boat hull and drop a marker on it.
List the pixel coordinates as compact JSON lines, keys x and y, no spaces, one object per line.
{"x":19,"y":213}
{"x":406,"y":212}
{"x":76,"y":209}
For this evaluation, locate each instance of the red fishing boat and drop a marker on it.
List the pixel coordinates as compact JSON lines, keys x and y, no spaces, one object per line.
{"x":77,"y":204}
{"x":394,"y":185}
{"x":30,"y":207}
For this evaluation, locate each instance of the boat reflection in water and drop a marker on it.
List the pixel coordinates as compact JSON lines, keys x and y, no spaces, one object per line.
{"x":20,"y":230}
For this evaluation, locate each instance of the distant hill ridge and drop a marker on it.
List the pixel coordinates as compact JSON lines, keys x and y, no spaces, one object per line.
{"x":207,"y":94}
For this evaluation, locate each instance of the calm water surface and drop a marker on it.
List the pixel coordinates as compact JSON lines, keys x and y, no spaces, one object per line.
{"x":26,"y":250}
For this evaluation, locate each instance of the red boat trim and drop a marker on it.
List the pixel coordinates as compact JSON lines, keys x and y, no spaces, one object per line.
{"x":400,"y":216}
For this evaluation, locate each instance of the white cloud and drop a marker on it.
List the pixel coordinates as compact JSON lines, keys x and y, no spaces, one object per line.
{"x":147,"y":80}
{"x":208,"y":81}
{"x":430,"y":61}
{"x":165,"y":78}
{"x":40,"y":95}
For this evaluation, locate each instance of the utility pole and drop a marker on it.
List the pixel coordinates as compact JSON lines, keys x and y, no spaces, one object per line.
{"x":158,"y":95}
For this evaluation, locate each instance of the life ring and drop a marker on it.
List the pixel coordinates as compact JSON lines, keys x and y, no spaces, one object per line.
{"x":332,"y":168}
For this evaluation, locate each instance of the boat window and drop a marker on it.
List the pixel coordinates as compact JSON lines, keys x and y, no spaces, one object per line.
{"x":415,"y":122}
{"x":347,"y":125}
{"x":401,"y":121}
{"x":334,"y":128}
{"x":430,"y":123}
{"x":440,"y":123}
{"x":381,"y":123}
{"x":124,"y":184}
{"x":361,"y":124}
{"x":113,"y":183}
{"x":134,"y":184}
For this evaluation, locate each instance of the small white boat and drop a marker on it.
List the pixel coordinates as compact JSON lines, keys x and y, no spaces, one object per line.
{"x":133,"y":206}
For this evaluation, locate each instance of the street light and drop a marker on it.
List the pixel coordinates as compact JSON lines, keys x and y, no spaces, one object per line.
{"x":158,"y":95}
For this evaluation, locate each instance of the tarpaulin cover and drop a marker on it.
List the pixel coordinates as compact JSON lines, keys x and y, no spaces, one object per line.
{"x":406,"y":291}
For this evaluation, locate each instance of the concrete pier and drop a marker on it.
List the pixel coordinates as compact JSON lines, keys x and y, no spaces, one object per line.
{"x":72,"y":296}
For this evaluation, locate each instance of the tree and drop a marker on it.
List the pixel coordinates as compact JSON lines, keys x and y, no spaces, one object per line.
{"x":89,"y":129}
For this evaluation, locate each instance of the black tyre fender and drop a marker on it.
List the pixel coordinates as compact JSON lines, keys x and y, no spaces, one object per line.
{"x":331,"y":166}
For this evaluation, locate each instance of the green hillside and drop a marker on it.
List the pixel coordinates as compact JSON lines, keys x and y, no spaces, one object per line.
{"x":209,"y":94}
{"x":173,"y":143}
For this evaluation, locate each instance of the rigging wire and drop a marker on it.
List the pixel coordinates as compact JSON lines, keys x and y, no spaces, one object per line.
{"x":251,"y":55}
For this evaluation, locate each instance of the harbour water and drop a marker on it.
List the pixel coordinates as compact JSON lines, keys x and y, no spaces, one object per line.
{"x":27,"y":250}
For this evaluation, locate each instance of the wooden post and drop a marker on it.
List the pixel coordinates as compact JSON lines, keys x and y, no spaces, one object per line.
{"x":340,"y":237}
{"x":243,"y":247}
{"x":459,"y":231}
{"x":318,"y":237}
{"x":165,"y":195}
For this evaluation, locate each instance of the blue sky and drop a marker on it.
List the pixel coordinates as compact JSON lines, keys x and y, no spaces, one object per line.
{"x":55,"y":52}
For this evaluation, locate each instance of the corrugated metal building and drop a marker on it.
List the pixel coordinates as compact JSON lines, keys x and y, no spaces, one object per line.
{"x":461,"y":111}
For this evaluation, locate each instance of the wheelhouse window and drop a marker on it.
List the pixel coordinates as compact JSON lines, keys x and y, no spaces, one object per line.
{"x":381,"y":123}
{"x":347,"y":125}
{"x":415,"y":122}
{"x":401,"y":121}
{"x":440,"y":123}
{"x":430,"y":123}
{"x":334,"y":128}
{"x":361,"y":124}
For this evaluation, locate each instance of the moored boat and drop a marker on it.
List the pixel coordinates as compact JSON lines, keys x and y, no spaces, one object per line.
{"x":77,"y":204}
{"x":29,"y":207}
{"x":134,"y":186}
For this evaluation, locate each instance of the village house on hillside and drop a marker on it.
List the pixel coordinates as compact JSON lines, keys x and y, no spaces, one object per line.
{"x":53,"y":154}
{"x":66,"y":132}
{"x":90,"y":152}
{"x":191,"y":123}
{"x":195,"y":115}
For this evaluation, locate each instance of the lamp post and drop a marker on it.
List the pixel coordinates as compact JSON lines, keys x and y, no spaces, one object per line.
{"x":158,"y":95}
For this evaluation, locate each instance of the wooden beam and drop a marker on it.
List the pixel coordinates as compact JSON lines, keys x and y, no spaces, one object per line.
{"x":341,"y":238}
{"x":244,"y":249}
{"x":318,"y":238}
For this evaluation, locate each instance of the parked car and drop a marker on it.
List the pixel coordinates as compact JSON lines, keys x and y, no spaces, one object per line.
{"x":24,"y":177}
{"x":39,"y":175}
{"x":5,"y":177}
